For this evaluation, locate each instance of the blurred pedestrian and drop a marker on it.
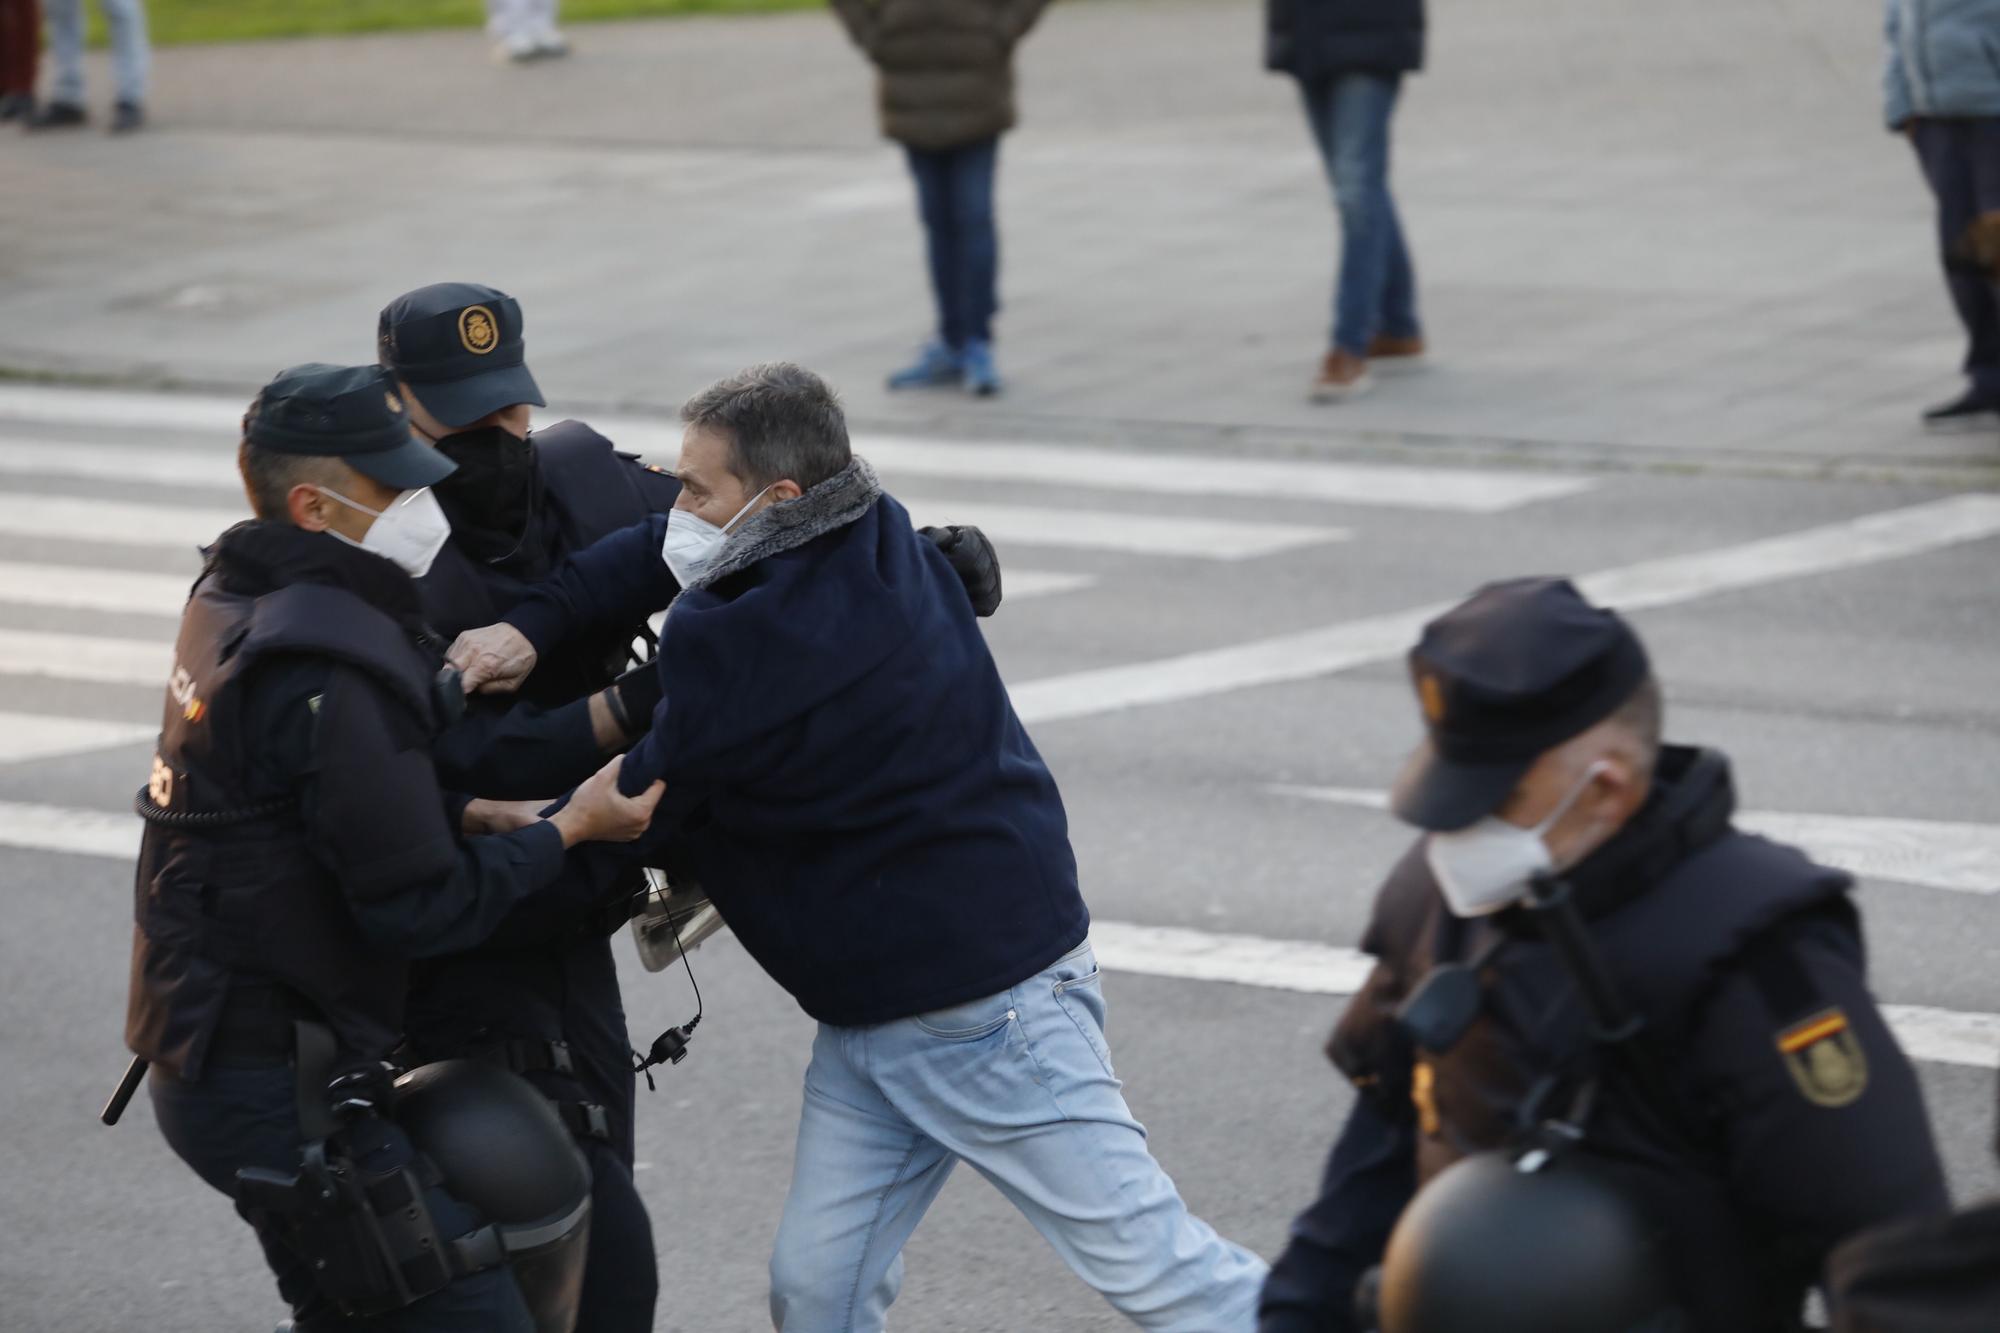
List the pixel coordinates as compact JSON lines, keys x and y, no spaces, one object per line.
{"x":1349,"y":57}
{"x":946,"y":90}
{"x":131,"y":58}
{"x":20,"y":51}
{"x":1941,"y":87}
{"x":524,"y":30}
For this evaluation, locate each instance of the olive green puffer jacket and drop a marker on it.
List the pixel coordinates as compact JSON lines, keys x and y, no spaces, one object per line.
{"x":946,"y":66}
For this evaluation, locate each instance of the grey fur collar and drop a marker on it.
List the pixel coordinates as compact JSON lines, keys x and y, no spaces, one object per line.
{"x":836,"y":502}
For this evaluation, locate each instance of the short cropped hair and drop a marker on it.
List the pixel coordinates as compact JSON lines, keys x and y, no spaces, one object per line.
{"x":783,"y":423}
{"x":1642,"y":716}
{"x":270,"y":474}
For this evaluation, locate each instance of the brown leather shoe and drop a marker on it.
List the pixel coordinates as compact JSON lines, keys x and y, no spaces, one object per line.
{"x":1341,"y":375}
{"x":1386,"y":348}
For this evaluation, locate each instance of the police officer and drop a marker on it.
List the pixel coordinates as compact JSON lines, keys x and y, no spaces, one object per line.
{"x":1782,"y":1116}
{"x":541,"y":996}
{"x":299,"y":849}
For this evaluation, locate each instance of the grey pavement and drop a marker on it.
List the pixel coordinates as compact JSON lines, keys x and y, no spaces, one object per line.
{"x":1666,"y":247}
{"x":1653,"y":235}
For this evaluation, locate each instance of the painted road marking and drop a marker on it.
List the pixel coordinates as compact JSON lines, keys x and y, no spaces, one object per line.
{"x":1132,"y":534}
{"x":25,"y":736}
{"x":101,"y":661}
{"x":116,"y":522}
{"x":1461,"y":490}
{"x":1934,"y":853}
{"x":1654,"y":583}
{"x":1940,"y":1036}
{"x":1019,"y":583}
{"x":81,"y":588}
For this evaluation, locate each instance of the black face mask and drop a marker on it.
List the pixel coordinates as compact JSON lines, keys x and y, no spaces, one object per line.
{"x":491,"y":498}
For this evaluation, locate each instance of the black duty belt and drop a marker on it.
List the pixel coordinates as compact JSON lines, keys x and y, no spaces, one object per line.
{"x":532,"y":1055}
{"x":256,"y":1026}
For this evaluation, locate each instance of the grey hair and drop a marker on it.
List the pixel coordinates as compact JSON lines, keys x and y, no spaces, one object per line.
{"x":270,"y":474}
{"x":1642,"y":717}
{"x":783,"y":423}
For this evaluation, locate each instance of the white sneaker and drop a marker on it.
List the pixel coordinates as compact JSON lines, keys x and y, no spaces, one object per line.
{"x":515,"y":49}
{"x":549,"y":42}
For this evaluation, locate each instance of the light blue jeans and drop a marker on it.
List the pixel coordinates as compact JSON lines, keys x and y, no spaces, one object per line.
{"x":130,"y":53}
{"x":1020,"y":1086}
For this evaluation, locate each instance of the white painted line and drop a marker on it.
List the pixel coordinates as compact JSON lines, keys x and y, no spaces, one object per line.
{"x":55,"y":828}
{"x":25,"y":736}
{"x":94,"y":589}
{"x":53,"y":405}
{"x":121,"y":462}
{"x":1934,"y":853}
{"x":1940,"y":1036}
{"x":1016,"y":584}
{"x":1460,"y":490}
{"x":86,"y":657}
{"x":115,"y":522}
{"x":1133,"y":534}
{"x":1655,"y":583}
{"x":1935,"y":1036}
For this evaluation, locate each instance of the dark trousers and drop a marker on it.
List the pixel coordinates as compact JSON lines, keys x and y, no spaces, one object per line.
{"x":20,"y":45}
{"x":1961,"y":160}
{"x":955,"y":198}
{"x":248,"y":1117}
{"x":1377,"y":290}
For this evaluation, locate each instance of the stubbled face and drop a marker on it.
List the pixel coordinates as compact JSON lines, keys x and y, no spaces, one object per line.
{"x":315,"y":511}
{"x":709,"y":490}
{"x":1611,"y":796}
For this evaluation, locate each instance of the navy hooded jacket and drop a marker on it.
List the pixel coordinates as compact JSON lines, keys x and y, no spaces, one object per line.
{"x":845,"y":774}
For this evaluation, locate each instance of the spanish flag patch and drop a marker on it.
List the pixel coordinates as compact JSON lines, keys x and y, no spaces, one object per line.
{"x":1824,"y":1059}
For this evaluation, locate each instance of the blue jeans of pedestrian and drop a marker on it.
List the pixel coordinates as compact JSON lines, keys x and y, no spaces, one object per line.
{"x":131,"y":52}
{"x":1019,"y":1085}
{"x":234,"y":1117}
{"x":1961,"y":161}
{"x":1377,"y":292}
{"x":955,"y":199}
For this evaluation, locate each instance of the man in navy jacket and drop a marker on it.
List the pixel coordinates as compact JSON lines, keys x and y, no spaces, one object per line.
{"x":847,"y":778}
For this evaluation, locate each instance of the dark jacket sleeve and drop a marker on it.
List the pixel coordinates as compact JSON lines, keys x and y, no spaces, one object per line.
{"x":375,"y":816}
{"x":858,"y":18}
{"x":1807,"y":1150}
{"x":1370,"y":1177}
{"x":518,"y":753}
{"x":616,"y":581}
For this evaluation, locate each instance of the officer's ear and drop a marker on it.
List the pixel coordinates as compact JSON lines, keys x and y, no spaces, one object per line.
{"x":306,"y":507}
{"x":1618,"y":789}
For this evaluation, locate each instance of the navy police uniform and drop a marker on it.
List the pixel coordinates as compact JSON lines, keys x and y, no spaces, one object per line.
{"x":1795,"y":1120}
{"x":299,"y":849}
{"x":541,"y":996}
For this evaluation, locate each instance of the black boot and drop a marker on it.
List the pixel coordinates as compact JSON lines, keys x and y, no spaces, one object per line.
{"x":126,"y":117}
{"x":58,"y":116}
{"x":1970,"y":410}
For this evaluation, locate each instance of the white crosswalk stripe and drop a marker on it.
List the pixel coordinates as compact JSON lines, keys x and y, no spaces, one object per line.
{"x":94,"y":589}
{"x":85,"y":657}
{"x":114,"y":522}
{"x":25,"y":736}
{"x":1935,"y":853}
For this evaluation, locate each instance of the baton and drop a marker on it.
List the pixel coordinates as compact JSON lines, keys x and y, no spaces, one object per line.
{"x":134,"y":1073}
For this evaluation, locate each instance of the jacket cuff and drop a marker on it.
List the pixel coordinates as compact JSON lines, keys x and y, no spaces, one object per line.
{"x":540,"y":848}
{"x":454,"y":812}
{"x":541,"y":622}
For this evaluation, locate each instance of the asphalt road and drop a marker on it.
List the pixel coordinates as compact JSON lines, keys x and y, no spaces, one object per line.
{"x":1847,"y":667}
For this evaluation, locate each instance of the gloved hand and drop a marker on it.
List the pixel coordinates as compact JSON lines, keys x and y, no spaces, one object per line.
{"x":975,"y":562}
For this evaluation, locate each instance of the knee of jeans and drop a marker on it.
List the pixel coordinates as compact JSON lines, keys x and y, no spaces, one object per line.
{"x":799,"y":1272}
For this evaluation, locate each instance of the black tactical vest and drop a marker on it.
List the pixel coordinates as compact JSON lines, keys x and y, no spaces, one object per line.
{"x":1671,"y":903}
{"x":227,"y":892}
{"x":587,"y":490}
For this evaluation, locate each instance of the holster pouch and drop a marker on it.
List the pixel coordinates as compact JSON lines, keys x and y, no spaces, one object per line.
{"x":369,"y":1238}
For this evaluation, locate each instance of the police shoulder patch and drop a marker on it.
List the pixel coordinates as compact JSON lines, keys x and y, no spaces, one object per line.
{"x":1825,"y":1059}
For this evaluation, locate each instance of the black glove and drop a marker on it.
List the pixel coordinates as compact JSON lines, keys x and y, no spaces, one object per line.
{"x":975,"y":562}
{"x":634,"y":697}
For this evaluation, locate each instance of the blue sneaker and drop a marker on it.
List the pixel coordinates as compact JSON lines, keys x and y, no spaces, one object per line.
{"x":936,"y":366}
{"x":981,"y":375}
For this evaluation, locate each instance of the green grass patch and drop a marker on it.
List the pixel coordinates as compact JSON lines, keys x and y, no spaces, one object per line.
{"x":177,"y":21}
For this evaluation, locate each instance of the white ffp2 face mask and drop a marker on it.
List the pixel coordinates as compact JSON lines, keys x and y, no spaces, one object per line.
{"x":411,"y":531}
{"x":1486,"y":866}
{"x":692,"y":541}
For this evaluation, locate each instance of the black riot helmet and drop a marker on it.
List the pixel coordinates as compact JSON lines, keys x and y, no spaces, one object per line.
{"x":1489,"y":1247}
{"x":502,"y":1150}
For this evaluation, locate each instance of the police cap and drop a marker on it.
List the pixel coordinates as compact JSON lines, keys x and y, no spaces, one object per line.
{"x":352,"y":413}
{"x":1514,"y":671}
{"x":458,"y":346}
